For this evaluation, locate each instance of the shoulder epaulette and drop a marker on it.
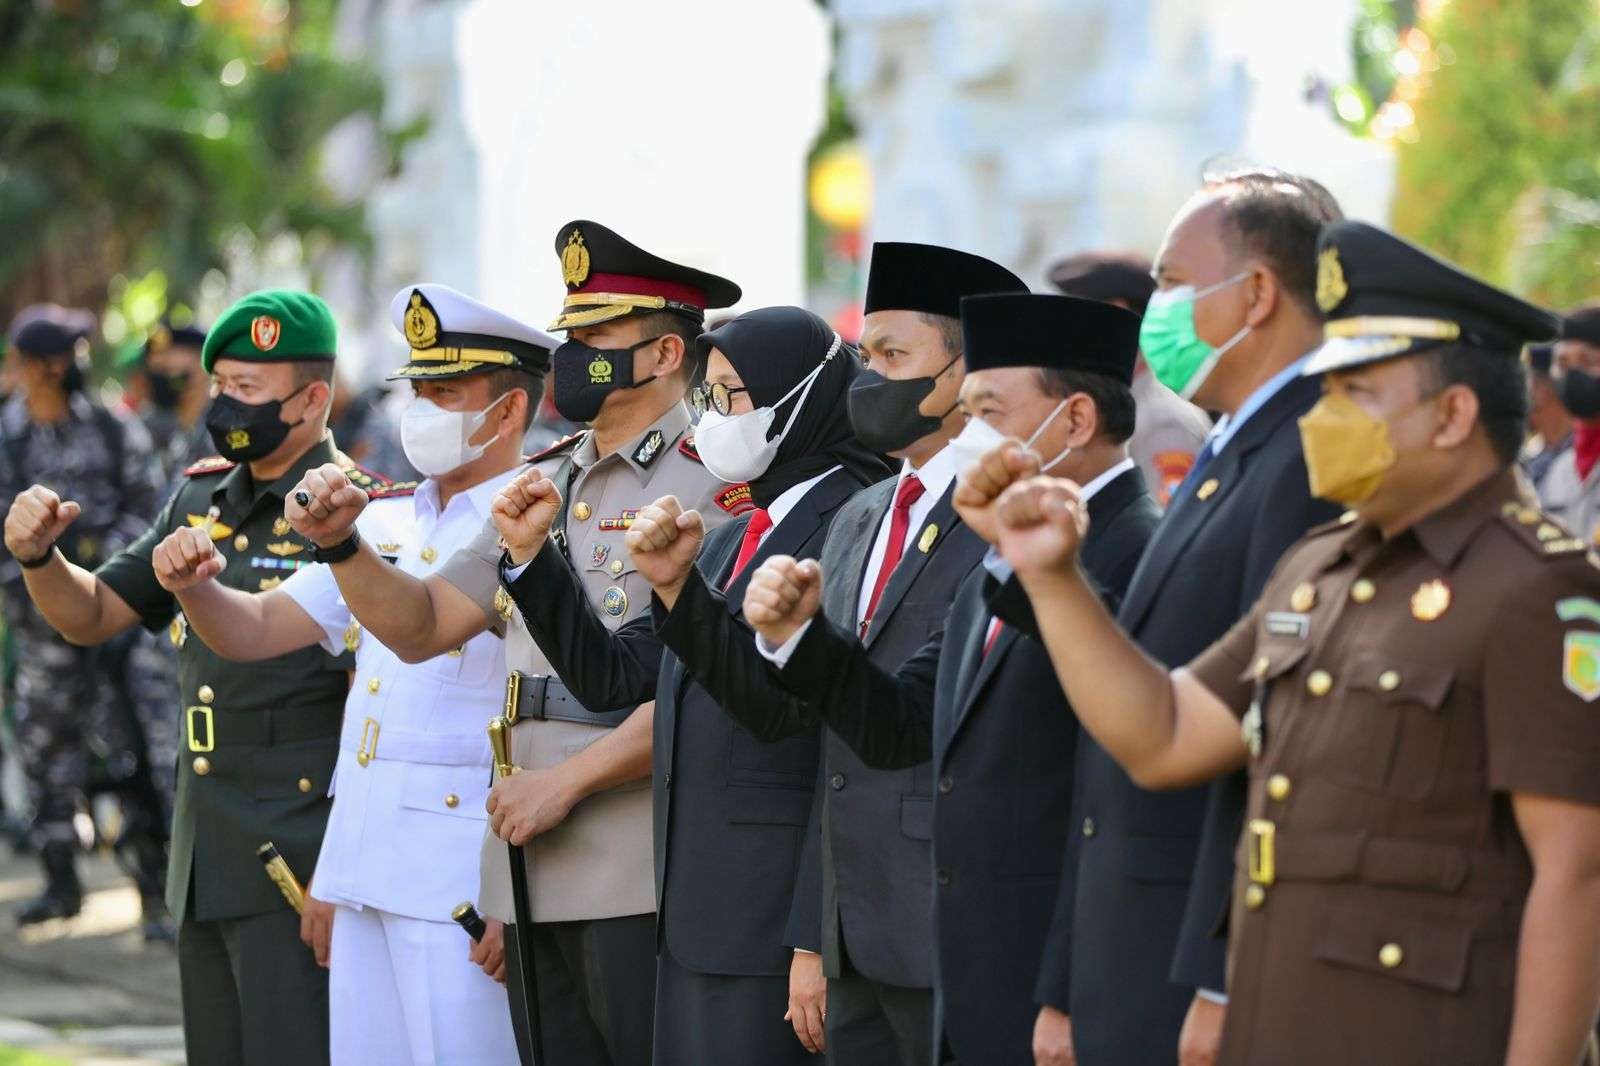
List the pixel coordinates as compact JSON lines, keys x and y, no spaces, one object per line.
{"x":1538,"y":532}
{"x":211,"y":464}
{"x":392,"y":489}
{"x":686,"y":446}
{"x":565,"y":444}
{"x":1342,"y":523}
{"x":369,"y":481}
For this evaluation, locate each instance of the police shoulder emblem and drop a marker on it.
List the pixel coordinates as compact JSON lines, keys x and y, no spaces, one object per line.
{"x":650,"y":448}
{"x":422,"y":325}
{"x":1331,"y":285}
{"x":265,"y":331}
{"x":575,"y":260}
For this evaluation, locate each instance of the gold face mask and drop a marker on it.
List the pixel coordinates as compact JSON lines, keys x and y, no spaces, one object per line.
{"x":1347,"y":450}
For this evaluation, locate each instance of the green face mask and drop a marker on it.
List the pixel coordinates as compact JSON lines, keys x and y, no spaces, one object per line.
{"x":1177,"y":356}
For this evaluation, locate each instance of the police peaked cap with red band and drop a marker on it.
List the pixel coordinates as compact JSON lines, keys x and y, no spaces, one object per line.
{"x":608,"y":277}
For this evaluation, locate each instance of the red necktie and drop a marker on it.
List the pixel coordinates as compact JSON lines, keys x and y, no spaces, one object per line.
{"x":995,"y":625}
{"x":760,"y":522}
{"x":908,"y":493}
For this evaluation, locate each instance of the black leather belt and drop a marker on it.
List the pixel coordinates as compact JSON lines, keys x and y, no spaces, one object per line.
{"x":547,"y":699}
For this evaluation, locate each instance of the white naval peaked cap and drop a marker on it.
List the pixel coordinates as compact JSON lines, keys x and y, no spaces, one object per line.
{"x":451,"y":334}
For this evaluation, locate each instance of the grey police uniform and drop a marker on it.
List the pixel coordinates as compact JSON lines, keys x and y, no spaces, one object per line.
{"x":598,"y":864}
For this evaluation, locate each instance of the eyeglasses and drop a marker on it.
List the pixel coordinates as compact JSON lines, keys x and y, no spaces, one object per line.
{"x":713,"y":395}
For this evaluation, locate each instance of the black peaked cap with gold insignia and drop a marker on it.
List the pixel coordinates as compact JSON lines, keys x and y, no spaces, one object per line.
{"x":931,"y":279}
{"x":1051,"y":332}
{"x":1384,"y":297}
{"x":452,"y":335}
{"x":608,"y":277}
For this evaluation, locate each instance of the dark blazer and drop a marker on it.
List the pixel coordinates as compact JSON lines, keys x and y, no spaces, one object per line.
{"x":731,"y":813}
{"x":1002,"y":739}
{"x":1201,"y":572}
{"x":877,"y":823}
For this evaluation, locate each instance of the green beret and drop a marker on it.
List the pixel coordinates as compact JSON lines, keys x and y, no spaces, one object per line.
{"x":273,"y":326}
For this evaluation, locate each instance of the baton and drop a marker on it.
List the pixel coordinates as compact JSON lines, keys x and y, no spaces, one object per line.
{"x":522,"y":910}
{"x":278,"y":869}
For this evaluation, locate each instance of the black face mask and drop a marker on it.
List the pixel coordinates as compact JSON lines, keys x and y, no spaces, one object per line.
{"x":885,"y":413}
{"x":585,"y":376}
{"x":1579,"y":393}
{"x":243,"y":432}
{"x":166,"y":390}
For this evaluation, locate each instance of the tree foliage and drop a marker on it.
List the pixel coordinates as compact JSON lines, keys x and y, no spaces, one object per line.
{"x":153,"y":138}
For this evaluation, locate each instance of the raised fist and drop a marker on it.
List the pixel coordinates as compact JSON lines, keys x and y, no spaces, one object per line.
{"x":782,"y":596}
{"x":185,"y":558}
{"x":980,"y":485}
{"x":1041,"y":523}
{"x":663,"y":541}
{"x":331,"y":508}
{"x":37,"y":517}
{"x":523,"y":512}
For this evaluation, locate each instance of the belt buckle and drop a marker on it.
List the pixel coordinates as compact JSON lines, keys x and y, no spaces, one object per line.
{"x":369,"y":741}
{"x":1261,"y":850}
{"x":211,"y":730}
{"x":513,"y":697}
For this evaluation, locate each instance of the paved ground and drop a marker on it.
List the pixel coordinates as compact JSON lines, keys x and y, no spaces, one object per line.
{"x":86,"y":990}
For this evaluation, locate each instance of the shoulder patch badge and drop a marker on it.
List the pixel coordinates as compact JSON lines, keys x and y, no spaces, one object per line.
{"x":1580,"y":665}
{"x":736,"y":499}
{"x":555,"y":449}
{"x":212,"y":464}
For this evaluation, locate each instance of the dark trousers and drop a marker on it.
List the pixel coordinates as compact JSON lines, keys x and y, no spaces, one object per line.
{"x":707,"y":1019}
{"x":596,"y":990}
{"x":253,"y":994}
{"x":871,"y":1023}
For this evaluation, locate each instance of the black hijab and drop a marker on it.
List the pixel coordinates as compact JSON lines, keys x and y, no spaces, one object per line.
{"x":773,"y":349}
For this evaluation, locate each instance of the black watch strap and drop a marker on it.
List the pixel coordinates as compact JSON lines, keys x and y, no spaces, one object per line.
{"x":339,"y":552}
{"x":34,"y":564}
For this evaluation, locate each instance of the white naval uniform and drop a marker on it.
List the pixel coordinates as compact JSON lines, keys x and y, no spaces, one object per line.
{"x":402,"y":843}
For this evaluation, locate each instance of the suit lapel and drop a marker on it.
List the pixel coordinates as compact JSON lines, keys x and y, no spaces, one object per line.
{"x":984,"y":666}
{"x":791,"y":534}
{"x":921,"y":543}
{"x":860,"y":528}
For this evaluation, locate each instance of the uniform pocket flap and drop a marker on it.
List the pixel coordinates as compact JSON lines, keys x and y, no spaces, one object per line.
{"x":458,"y":791}
{"x":1161,"y":860}
{"x":1401,"y":681}
{"x":769,"y":806}
{"x":916,"y":817}
{"x":1423,"y":951}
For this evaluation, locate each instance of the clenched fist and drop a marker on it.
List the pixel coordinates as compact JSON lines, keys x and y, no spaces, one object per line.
{"x":523,"y":512}
{"x":185,"y":558}
{"x":37,"y":517}
{"x":663,"y":541}
{"x":980,"y":485}
{"x":1041,"y":523}
{"x":331,"y":511}
{"x":783,"y":595}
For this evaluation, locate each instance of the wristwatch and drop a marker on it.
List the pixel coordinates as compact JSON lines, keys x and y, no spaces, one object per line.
{"x":339,"y":552}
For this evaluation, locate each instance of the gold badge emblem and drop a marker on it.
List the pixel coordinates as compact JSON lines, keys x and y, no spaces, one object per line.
{"x":265,"y":332}
{"x":178,"y":631}
{"x":270,"y":583}
{"x":600,"y":371}
{"x":1331,"y":286}
{"x":1303,"y":598}
{"x":217,"y":529}
{"x":1208,"y":489}
{"x":280,"y":526}
{"x":614,"y":602}
{"x":422,"y":325}
{"x":389,"y":547}
{"x":502,"y":604}
{"x":929,"y":535}
{"x":285,"y":548}
{"x":352,"y":635}
{"x":238,"y":439}
{"x":1431,"y":600}
{"x":575,"y":260}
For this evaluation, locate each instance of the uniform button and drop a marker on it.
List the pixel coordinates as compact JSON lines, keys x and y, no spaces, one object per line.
{"x":372,"y":686}
{"x":1391,"y":955}
{"x":241,"y":542}
{"x":1088,"y":827}
{"x":1304,"y":597}
{"x":837,"y":781}
{"x":206,"y":694}
{"x":942,"y":876}
{"x":1254,"y":897}
{"x":1261,"y":666}
{"x":202,"y":765}
{"x":1389,"y":680}
{"x":616,"y":566}
{"x":429,"y":554}
{"x":305,"y":784}
{"x":1278,"y":786}
{"x":452,"y":800}
{"x":946,"y":783}
{"x":581,"y":511}
{"x":1319,"y":683}
{"x":1363,"y":591}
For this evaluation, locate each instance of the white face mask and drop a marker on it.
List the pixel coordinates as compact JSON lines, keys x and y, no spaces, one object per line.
{"x":978,"y":438}
{"x":435,"y":440}
{"x":735,"y":448}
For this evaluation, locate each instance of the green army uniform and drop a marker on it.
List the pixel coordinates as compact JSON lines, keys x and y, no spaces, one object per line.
{"x":257,"y":747}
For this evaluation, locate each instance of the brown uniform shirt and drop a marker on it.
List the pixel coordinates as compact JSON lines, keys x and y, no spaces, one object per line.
{"x":1395,"y":693}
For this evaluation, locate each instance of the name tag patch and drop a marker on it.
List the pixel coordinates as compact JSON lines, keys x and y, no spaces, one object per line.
{"x":1288,"y":624}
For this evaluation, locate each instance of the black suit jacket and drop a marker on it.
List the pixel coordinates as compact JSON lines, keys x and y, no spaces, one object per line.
{"x":1002,"y":739}
{"x":1201,"y":572}
{"x":877,"y":822}
{"x":731,"y":813}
